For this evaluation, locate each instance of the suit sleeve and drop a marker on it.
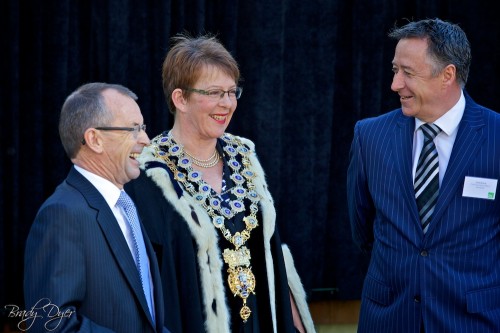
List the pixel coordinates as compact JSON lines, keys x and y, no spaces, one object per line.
{"x":55,"y":271}
{"x":360,"y":204}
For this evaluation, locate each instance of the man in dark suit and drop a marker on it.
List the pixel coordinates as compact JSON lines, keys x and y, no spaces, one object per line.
{"x":88,"y":265}
{"x":422,"y":185}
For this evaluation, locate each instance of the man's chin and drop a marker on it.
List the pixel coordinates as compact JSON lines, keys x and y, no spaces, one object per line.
{"x":407,"y":111}
{"x":133,"y":173}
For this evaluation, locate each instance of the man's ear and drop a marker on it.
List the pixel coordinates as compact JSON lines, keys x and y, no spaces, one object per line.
{"x":449,"y":74}
{"x":93,"y":140}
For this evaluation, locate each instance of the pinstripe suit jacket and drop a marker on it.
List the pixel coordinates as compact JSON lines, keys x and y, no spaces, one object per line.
{"x":449,"y":278}
{"x":78,"y":262}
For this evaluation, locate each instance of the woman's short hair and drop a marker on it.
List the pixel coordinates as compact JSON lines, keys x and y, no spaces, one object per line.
{"x":186,"y":60}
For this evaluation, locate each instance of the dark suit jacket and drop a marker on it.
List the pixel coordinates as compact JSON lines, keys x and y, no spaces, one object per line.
{"x":448,"y":278}
{"x":77,"y":261}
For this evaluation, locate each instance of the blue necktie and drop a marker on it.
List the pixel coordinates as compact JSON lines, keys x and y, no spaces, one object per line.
{"x":427,"y":176}
{"x":140,"y":254}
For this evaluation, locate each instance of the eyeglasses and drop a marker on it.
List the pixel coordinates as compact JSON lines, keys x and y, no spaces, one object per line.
{"x":136,"y":129}
{"x":217,"y":94}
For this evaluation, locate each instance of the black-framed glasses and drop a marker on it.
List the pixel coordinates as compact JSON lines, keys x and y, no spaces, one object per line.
{"x":217,"y":94}
{"x":136,"y":129}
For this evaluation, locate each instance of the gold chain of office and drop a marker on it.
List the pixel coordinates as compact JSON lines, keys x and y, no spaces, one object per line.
{"x":241,"y":279}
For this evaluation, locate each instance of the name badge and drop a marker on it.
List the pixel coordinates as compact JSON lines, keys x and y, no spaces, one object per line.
{"x":481,"y":188}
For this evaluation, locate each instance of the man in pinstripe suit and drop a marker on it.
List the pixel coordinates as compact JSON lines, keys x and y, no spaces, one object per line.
{"x":443,"y":276}
{"x":80,"y":274}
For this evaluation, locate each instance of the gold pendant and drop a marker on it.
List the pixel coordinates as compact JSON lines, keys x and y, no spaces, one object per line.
{"x":241,"y":282}
{"x":245,"y":311}
{"x":241,"y":279}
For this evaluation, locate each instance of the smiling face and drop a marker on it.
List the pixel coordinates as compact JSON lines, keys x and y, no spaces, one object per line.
{"x":120,"y":148}
{"x":204,"y":117}
{"x":422,"y":94}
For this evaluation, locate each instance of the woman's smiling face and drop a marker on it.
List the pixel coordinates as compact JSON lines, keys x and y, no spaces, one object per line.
{"x":208,"y":117}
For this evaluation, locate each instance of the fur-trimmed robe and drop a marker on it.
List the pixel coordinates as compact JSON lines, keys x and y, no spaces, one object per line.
{"x":188,"y":248}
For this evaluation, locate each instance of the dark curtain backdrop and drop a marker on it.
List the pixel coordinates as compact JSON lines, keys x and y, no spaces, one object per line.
{"x":310,"y":68}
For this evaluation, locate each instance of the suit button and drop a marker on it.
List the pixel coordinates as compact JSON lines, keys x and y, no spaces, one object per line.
{"x":424,"y":253}
{"x":416,"y":299}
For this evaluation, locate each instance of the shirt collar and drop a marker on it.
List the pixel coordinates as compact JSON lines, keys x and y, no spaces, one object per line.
{"x":449,"y":121}
{"x":108,"y":190}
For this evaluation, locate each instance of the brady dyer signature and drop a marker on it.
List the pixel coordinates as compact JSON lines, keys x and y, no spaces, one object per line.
{"x":43,"y":310}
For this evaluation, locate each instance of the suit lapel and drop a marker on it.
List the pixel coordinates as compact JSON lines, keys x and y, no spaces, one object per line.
{"x":403,"y":147}
{"x":467,"y":143}
{"x":113,"y":234}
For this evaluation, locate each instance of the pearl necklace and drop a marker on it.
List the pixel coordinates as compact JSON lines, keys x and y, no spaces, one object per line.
{"x":241,"y":279}
{"x":208,"y":163}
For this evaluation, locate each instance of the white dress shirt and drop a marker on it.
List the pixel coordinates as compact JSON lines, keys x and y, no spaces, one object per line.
{"x":444,"y":141}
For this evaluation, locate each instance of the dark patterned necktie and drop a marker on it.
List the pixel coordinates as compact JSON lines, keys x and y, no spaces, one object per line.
{"x":427,"y":175}
{"x":140,"y":254}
